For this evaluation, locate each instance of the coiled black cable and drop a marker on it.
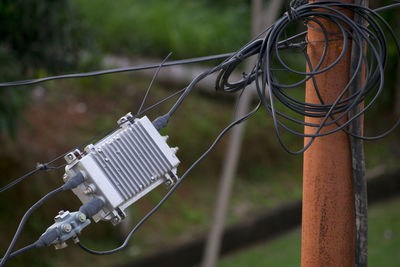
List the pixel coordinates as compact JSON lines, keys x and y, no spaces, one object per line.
{"x":271,"y":89}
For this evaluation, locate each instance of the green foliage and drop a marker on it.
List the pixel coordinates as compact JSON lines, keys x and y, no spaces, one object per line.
{"x":41,"y":33}
{"x":36,"y":36}
{"x":383,"y":234}
{"x":156,"y":27}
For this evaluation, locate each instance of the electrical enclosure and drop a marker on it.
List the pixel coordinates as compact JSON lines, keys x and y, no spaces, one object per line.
{"x":123,"y":167}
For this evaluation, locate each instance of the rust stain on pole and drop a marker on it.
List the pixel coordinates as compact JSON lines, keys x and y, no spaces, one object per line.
{"x":328,"y":198}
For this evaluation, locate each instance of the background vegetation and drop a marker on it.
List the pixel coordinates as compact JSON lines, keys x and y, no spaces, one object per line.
{"x":47,"y":37}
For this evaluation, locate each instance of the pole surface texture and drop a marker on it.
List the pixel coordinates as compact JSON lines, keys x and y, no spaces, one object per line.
{"x":328,"y":197}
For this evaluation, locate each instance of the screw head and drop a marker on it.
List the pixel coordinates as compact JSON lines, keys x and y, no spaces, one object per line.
{"x":61,"y":212}
{"x":66,"y":227}
{"x":88,"y":191}
{"x":115,"y":220}
{"x":81,"y":217}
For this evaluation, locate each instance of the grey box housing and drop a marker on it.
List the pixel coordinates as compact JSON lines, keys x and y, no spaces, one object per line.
{"x":123,"y":167}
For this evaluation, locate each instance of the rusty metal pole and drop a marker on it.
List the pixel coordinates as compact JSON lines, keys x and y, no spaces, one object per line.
{"x":328,"y":233}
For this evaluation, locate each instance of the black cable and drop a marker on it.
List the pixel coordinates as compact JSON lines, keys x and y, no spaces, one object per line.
{"x":267,"y":50}
{"x":116,"y":70}
{"x":271,"y":89}
{"x":21,"y":250}
{"x":185,"y":90}
{"x":152,"y":81}
{"x":24,"y":220}
{"x":71,"y":183}
{"x":162,"y":201}
{"x":46,"y":166}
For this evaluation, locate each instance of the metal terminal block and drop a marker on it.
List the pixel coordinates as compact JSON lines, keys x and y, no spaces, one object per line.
{"x":68,"y":225}
{"x":123,"y":167}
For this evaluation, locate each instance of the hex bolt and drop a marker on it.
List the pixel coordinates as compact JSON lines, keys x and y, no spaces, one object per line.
{"x":75,"y":239}
{"x":81,"y":217}
{"x":66,"y":227}
{"x":88,"y":191}
{"x":60,"y":245}
{"x":115,"y":220}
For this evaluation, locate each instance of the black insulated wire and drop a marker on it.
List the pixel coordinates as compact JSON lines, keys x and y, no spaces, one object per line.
{"x":165,"y":198}
{"x":70,"y":184}
{"x":272,"y":90}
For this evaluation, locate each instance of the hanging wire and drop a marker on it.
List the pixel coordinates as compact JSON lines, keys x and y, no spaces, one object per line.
{"x":271,"y":89}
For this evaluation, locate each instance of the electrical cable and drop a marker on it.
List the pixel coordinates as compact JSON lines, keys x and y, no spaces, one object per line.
{"x":21,"y":250}
{"x":269,"y":47}
{"x":271,"y":89}
{"x":162,"y":201}
{"x":116,"y":70}
{"x":52,"y":234}
{"x":71,"y":183}
{"x":46,"y":166}
{"x":151,"y":83}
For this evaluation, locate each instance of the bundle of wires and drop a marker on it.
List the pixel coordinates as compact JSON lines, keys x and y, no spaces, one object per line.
{"x":274,"y":94}
{"x":272,"y":90}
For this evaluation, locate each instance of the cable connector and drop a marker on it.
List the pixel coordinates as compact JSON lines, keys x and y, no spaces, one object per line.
{"x":92,"y":207}
{"x":67,"y":225}
{"x":122,"y":167}
{"x":74,"y":181}
{"x":161,"y":121}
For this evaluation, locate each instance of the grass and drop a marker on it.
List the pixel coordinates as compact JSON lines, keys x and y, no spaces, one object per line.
{"x":384,"y":242}
{"x":267,"y":176}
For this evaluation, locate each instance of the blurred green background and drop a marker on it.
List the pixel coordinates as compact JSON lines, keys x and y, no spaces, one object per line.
{"x":37,"y":123}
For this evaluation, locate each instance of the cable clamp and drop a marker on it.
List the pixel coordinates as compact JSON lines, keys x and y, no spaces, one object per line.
{"x":42,"y":166}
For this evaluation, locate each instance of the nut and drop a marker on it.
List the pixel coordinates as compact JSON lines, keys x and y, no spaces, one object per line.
{"x":115,"y":220}
{"x":66,"y":227}
{"x":81,"y":217}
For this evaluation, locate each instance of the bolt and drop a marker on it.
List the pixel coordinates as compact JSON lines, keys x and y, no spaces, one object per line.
{"x":115,"y":220}
{"x":61,"y":212}
{"x":168,"y":183}
{"x":175,"y":149}
{"x":66,"y":227}
{"x":60,"y":245}
{"x":81,"y":217}
{"x":75,"y":239}
{"x":70,"y":156}
{"x":88,"y":191}
{"x":65,"y":177}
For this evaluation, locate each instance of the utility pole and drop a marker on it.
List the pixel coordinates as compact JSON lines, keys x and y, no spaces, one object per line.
{"x":214,"y":239}
{"x":328,"y":222}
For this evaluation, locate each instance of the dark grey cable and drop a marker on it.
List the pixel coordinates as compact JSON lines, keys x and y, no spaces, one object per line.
{"x":152,"y":81}
{"x":162,"y":201}
{"x":117,"y":70}
{"x":71,"y":183}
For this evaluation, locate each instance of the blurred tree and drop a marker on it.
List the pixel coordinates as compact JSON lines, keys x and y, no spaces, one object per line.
{"x":36,"y":36}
